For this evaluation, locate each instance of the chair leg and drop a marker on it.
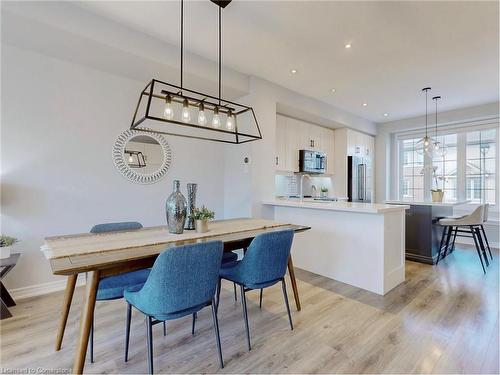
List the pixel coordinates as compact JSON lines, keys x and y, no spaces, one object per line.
{"x":486,"y":240}
{"x":245,"y":315}
{"x":127,"y":330}
{"x":217,"y":292}
{"x":454,"y":239}
{"x":149,"y":332}
{"x":235,"y":294}
{"x":194,"y":322}
{"x":91,"y":339}
{"x":448,"y":239}
{"x":481,"y":245}
{"x":477,"y":248}
{"x":286,"y":302}
{"x":260,"y":299}
{"x":441,"y":244}
{"x":164,"y":328}
{"x":217,"y":334}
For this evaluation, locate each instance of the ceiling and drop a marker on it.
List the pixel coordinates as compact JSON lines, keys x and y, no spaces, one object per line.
{"x":396,"y":47}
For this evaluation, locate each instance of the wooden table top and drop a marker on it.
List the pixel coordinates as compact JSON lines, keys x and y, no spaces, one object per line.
{"x":84,"y":252}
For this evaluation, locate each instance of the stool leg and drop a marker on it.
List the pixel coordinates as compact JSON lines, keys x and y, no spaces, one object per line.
{"x":441,"y":245}
{"x":448,"y":239}
{"x":91,"y":339}
{"x":487,"y":243}
{"x":477,"y":247}
{"x":127,"y":330}
{"x":454,"y":238}
{"x":481,"y":245}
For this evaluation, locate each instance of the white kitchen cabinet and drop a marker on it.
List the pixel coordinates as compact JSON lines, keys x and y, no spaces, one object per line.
{"x":293,"y":135}
{"x":280,"y":158}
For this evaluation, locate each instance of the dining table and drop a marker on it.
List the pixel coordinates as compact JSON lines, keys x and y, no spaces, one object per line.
{"x":101,"y":255}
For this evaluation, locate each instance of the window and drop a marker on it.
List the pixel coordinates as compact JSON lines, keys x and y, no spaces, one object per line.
{"x":412,"y":182}
{"x":445,"y":159}
{"x":480,"y":167}
{"x":464,"y":165}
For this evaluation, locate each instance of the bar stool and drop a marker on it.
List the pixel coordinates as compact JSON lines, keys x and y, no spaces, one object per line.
{"x":462,"y":227}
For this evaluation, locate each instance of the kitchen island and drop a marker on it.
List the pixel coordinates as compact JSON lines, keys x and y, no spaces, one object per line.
{"x":423,"y":232}
{"x":360,"y":244}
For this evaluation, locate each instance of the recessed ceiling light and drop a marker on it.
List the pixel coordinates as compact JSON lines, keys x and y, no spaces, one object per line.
{"x":293,"y":71}
{"x":365,"y":104}
{"x":386,"y":114}
{"x":348,"y":45}
{"x":333,"y":90}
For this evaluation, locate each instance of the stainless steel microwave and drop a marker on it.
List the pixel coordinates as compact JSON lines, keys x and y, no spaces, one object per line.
{"x":312,"y":161}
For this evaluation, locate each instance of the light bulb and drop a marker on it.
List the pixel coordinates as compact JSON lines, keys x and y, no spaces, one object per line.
{"x":186,"y":116}
{"x":216,"y":118}
{"x":230,"y":121}
{"x":202,"y":119}
{"x":426,"y":141}
{"x":130,"y":159}
{"x":168,"y":112}
{"x":436,"y":146}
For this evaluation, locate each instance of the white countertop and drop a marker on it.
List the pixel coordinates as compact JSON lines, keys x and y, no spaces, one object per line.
{"x":422,"y":203}
{"x":368,"y":208}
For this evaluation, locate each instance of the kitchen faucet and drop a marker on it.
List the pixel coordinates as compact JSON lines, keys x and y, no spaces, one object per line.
{"x":302,"y":186}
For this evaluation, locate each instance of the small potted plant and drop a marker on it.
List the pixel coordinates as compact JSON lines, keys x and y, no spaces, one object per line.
{"x":6,"y":243}
{"x":201,"y":216}
{"x":324,"y":192}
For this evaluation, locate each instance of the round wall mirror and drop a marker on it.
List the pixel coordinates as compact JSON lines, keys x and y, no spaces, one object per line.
{"x":142,"y":157}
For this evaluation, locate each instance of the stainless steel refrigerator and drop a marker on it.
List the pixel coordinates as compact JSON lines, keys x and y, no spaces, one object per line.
{"x":359,"y":179}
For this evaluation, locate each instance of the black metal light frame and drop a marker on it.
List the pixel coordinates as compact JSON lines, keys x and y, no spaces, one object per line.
{"x":141,"y":160}
{"x":194,"y":98}
{"x":180,"y":94}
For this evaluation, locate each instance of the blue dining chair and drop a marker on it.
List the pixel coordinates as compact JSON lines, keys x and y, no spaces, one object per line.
{"x":183,"y":281}
{"x":112,"y":287}
{"x":264,"y":265}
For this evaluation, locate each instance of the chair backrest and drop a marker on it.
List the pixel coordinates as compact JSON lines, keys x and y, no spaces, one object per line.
{"x":474,"y":218}
{"x":113,"y":227}
{"x":182,"y":277}
{"x":266,"y":258}
{"x":485,"y":212}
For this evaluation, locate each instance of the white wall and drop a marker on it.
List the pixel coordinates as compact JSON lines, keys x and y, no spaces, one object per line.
{"x":59,"y":122}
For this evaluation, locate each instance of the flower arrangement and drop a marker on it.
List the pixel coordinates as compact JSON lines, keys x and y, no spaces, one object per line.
{"x":7,"y":241}
{"x":201,"y":217}
{"x":324,"y":189}
{"x":202,"y":213}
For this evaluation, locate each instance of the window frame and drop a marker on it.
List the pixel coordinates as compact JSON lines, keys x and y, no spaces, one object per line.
{"x":461,"y":131}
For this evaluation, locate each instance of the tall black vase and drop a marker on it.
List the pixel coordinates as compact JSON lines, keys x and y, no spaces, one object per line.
{"x":191,"y":196}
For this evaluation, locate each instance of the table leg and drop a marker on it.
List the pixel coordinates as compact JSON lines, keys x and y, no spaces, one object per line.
{"x":86,"y":321}
{"x":68,"y":297}
{"x":291,"y":271}
{"x":4,"y":311}
{"x":6,"y":297}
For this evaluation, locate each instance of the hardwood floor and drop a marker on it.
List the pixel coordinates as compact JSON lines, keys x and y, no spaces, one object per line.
{"x":441,"y":320}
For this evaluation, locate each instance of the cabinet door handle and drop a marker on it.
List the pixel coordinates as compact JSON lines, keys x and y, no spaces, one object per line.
{"x":277,"y":160}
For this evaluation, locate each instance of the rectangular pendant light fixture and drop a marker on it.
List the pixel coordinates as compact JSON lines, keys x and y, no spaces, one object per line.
{"x":166,"y":108}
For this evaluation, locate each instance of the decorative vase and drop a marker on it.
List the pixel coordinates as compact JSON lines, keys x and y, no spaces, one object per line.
{"x":437,"y":196}
{"x":191,"y":196}
{"x":176,"y":210}
{"x":201,"y":226}
{"x":5,"y":252}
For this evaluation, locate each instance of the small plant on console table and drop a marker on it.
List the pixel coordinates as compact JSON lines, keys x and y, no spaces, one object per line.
{"x":201,"y":216}
{"x":324,"y":192}
{"x":6,"y":243}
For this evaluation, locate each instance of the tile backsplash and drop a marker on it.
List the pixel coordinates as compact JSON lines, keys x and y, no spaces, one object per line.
{"x":289,"y":185}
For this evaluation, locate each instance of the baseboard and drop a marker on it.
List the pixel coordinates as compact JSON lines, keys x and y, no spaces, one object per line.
{"x":470,"y":241}
{"x":41,"y":289}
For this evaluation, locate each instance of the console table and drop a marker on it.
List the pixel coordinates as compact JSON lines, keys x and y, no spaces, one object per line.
{"x":6,"y":299}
